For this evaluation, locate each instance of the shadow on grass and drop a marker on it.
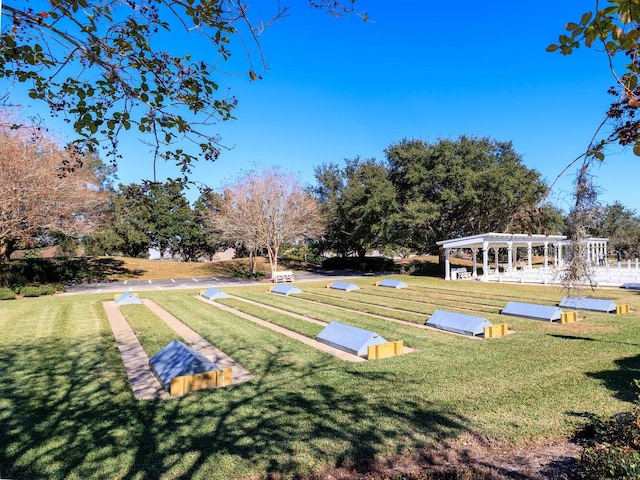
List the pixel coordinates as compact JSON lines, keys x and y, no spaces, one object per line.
{"x":621,"y":380}
{"x":66,"y":410}
{"x":63,"y":270}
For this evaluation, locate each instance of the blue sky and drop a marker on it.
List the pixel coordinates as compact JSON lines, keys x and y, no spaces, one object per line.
{"x":339,"y":88}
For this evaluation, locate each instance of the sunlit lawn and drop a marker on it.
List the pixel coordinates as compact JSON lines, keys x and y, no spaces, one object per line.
{"x":66,"y":410}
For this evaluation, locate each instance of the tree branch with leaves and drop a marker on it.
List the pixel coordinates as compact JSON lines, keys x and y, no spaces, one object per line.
{"x":107,"y":67}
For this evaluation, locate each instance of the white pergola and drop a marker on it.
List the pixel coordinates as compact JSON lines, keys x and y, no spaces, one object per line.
{"x":596,"y":249}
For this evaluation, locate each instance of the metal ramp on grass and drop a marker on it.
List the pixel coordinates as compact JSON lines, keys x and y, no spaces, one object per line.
{"x":213,"y":293}
{"x":181,"y":369}
{"x":585,"y":303}
{"x":346,"y":286}
{"x":284,"y":289}
{"x":391,"y":283}
{"x":127,"y":298}
{"x":349,"y":339}
{"x":458,"y":323}
{"x":532,"y":310}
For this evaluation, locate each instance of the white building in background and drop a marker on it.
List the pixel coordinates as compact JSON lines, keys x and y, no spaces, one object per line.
{"x":519,"y":252}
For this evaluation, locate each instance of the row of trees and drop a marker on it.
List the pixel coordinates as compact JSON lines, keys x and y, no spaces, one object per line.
{"x":425,"y":192}
{"x":421,"y":193}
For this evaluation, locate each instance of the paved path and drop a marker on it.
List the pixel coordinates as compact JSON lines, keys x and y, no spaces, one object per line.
{"x":143,"y":382}
{"x":296,"y":336}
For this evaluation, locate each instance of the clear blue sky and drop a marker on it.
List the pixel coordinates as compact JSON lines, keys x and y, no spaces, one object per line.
{"x":339,"y":88}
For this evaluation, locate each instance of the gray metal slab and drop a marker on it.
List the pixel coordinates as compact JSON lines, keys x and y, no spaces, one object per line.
{"x":585,"y":303}
{"x":349,"y":339}
{"x":532,"y":310}
{"x":348,"y":286}
{"x":284,"y":289}
{"x":128,"y":298}
{"x":631,"y":286}
{"x":178,"y":360}
{"x":458,"y":322}
{"x":392,"y":283}
{"x":213,"y":293}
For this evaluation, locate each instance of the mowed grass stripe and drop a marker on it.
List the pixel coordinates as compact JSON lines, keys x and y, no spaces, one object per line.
{"x":387,"y":327}
{"x":247,"y":343}
{"x":310,"y":306}
{"x":153,"y":333}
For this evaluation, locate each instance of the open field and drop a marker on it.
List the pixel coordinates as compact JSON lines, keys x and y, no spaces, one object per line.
{"x":66,"y":409}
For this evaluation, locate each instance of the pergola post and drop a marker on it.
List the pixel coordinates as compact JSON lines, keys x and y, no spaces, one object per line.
{"x":447,"y":269}
{"x":529,"y":252}
{"x":485,"y":261}
{"x":509,"y":256}
{"x":474,"y":253}
{"x":546,"y":254}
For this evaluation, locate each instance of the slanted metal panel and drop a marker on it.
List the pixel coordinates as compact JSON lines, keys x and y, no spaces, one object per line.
{"x":458,"y":322}
{"x":348,"y":286}
{"x":128,"y":298}
{"x":584,"y":303}
{"x":532,"y":310}
{"x":284,"y":289}
{"x":392,"y":284}
{"x":213,"y":293}
{"x":632,"y":286}
{"x":178,"y":360}
{"x":349,"y":339}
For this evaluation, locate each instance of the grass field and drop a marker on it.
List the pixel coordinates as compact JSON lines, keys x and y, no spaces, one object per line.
{"x":67,"y":412}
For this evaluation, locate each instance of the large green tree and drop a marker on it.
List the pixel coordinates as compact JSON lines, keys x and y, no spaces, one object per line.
{"x":113,"y":65}
{"x":157,"y":215}
{"x":460,"y":187}
{"x":358,"y":202}
{"x":622,"y":227}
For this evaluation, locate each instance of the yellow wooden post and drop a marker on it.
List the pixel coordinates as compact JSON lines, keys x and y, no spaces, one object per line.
{"x":624,"y":308}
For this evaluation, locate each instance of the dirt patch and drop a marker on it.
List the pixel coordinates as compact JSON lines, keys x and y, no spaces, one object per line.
{"x":470,"y":457}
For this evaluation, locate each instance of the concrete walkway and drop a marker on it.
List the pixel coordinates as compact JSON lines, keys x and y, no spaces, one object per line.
{"x":144,"y":384}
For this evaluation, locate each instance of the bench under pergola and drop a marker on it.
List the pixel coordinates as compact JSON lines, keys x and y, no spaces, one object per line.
{"x":596,"y":248}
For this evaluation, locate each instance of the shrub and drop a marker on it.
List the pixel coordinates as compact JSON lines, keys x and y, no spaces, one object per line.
{"x":37,"y":290}
{"x":616,"y":452}
{"x":30,"y":291}
{"x":7,"y":294}
{"x":366,"y":264}
{"x":255,"y":275}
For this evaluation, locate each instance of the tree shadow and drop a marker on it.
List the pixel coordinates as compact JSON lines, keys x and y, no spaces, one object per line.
{"x":621,"y":380}
{"x":67,"y":411}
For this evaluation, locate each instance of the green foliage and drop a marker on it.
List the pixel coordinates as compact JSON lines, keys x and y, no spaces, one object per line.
{"x":155,"y":215}
{"x":97,"y":65}
{"x":616,"y":451}
{"x":364,"y":264}
{"x":457,"y":188}
{"x":613,"y":28}
{"x":249,"y":275}
{"x":303,"y":252}
{"x":621,"y":226}
{"x":7,"y":294}
{"x":38,"y":290}
{"x":359,"y":202}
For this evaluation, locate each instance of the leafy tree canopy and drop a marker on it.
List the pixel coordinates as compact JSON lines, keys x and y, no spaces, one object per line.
{"x":613,"y":27}
{"x":102,"y":66}
{"x":455,"y":188}
{"x":359,"y":204}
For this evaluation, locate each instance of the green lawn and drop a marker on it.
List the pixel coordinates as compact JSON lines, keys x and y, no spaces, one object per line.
{"x":66,"y":410}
